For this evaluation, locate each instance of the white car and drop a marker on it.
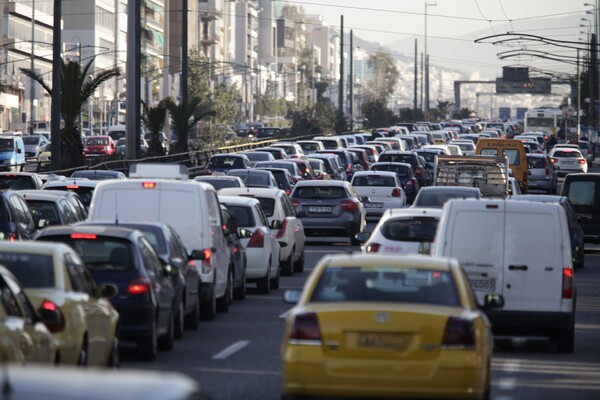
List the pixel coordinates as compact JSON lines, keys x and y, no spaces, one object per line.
{"x":383,"y":189}
{"x":403,"y":231}
{"x":277,"y":207}
{"x":262,"y":248}
{"x":568,"y":159}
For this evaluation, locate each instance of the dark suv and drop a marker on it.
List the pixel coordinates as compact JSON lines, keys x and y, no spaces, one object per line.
{"x":16,"y":220}
{"x":146,"y":295}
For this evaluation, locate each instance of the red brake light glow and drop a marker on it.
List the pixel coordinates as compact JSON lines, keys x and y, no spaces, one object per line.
{"x":139,"y":286}
{"x":458,"y":333}
{"x":396,"y":192}
{"x":88,"y":236}
{"x":295,"y":203}
{"x":567,"y":283}
{"x":72,"y":186}
{"x":148,"y":185}
{"x":48,"y":305}
{"x":373,"y":248}
{"x":257,"y":239}
{"x":348,"y":205}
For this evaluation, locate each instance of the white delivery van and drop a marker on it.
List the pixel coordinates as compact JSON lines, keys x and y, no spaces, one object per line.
{"x":522,"y":251}
{"x":192,"y":209}
{"x":12,"y":153}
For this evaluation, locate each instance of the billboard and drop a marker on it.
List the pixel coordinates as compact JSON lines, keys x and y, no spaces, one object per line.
{"x":531,"y":86}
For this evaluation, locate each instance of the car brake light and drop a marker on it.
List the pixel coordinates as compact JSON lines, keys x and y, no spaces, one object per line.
{"x":257,"y":239}
{"x":458,"y":333}
{"x":554,"y":160}
{"x":148,"y":185}
{"x":281,"y":231}
{"x":55,"y":326}
{"x":581,"y":161}
{"x":372,"y":248}
{"x":295,"y":203}
{"x":72,"y":186}
{"x":288,"y":191}
{"x":348,"y":205}
{"x":418,"y":171}
{"x":139,"y":286}
{"x":88,"y":236}
{"x":396,"y":192}
{"x":305,"y":329}
{"x":294,"y":179}
{"x":567,"y":283}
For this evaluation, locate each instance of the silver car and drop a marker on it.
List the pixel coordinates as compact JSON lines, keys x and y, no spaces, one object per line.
{"x":541,"y":173}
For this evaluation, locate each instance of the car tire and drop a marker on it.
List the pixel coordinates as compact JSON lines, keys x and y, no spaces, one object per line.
{"x":178,"y":333}
{"x":166,"y":342}
{"x":287,"y":267}
{"x":114,"y":359}
{"x":239,"y":293}
{"x":353,"y":240}
{"x":148,"y":347}
{"x":263,"y":283}
{"x":82,"y":358}
{"x":581,"y":258}
{"x":208,"y":308}
{"x":565,"y":341}
{"x":299,"y":265}
{"x":224,"y":301}
{"x":192,"y":320}
{"x":274,"y":282}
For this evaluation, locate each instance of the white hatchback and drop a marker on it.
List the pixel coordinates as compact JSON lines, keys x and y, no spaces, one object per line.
{"x":383,"y":189}
{"x":403,"y":231}
{"x":567,"y":159}
{"x":262,"y":248}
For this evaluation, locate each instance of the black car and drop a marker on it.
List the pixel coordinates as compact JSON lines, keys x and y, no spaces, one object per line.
{"x":20,"y":180}
{"x":238,"y":255}
{"x":283,"y":178}
{"x":16,"y":219}
{"x":146,"y":300}
{"x":346,"y":159}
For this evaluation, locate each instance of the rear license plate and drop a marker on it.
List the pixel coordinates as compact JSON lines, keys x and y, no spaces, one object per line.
{"x":382,"y":340}
{"x":483,"y":285}
{"x":319,"y":210}
{"x":218,"y":173}
{"x":374,"y":205}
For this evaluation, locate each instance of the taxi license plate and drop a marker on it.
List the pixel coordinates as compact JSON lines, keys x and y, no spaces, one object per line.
{"x":382,"y":340}
{"x":483,"y":285}
{"x":319,"y":210}
{"x":374,"y":205}
{"x":218,"y":173}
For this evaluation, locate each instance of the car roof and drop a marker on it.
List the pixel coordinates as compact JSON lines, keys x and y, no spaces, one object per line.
{"x":21,"y":246}
{"x":394,"y":163}
{"x":331,"y":182}
{"x":262,"y":192}
{"x":449,"y":189}
{"x":412,"y":212}
{"x":238,"y":200}
{"x":106,"y":229}
{"x":217,"y":177}
{"x":379,"y":260}
{"x":382,"y":173}
{"x":82,"y":182}
{"x":543,"y":198}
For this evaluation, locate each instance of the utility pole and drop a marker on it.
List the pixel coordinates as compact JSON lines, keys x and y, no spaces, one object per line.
{"x":351,"y":82}
{"x":116,"y":62}
{"x":56,"y":88}
{"x":184,"y":51}
{"x":133,"y":125}
{"x":416,"y":77}
{"x":33,"y":82}
{"x":341,"y":82}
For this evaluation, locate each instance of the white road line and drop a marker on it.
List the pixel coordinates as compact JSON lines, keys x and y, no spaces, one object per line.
{"x":507,"y":384}
{"x":237,"y":346}
{"x":285,"y":314}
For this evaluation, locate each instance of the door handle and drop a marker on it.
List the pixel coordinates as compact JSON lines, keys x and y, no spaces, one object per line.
{"x":517,"y":267}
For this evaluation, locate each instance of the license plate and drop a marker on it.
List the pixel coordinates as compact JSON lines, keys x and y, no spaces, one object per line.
{"x":319,"y":210}
{"x":217,"y":173}
{"x":483,"y":285}
{"x":382,"y":341}
{"x":374,"y":205}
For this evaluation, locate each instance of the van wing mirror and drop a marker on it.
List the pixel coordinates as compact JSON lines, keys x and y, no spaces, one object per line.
{"x":244,"y":233}
{"x":197,"y":255}
{"x":276,"y":224}
{"x":292,"y":296}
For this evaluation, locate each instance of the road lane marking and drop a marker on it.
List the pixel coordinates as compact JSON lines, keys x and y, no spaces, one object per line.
{"x":285,"y":314}
{"x":236,"y":371}
{"x":237,"y":346}
{"x":507,"y":384}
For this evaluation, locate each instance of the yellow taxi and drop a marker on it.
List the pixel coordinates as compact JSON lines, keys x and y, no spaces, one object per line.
{"x":387,"y":326}
{"x":55,"y":278}
{"x":24,"y":336}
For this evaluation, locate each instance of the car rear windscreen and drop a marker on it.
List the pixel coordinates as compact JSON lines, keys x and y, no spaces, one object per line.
{"x":219,"y":184}
{"x":320,"y":192}
{"x":420,"y":229}
{"x":374,"y":180}
{"x":536,"y":162}
{"x":399,"y":170}
{"x":242,"y":214}
{"x":17,"y":182}
{"x":32,"y":270}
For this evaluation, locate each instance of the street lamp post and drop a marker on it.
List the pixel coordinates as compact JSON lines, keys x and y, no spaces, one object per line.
{"x":427,"y":58}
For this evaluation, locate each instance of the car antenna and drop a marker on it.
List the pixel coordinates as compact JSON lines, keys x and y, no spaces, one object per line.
{"x":116,"y":208}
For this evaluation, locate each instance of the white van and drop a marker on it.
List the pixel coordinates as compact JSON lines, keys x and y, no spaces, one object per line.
{"x":192,"y":209}
{"x":500,"y":246}
{"x":12,"y":153}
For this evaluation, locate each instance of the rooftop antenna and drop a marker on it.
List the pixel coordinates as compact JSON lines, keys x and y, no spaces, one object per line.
{"x":116,"y":208}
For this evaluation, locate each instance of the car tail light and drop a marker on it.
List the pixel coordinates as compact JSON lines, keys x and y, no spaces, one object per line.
{"x":567,"y":283}
{"x":396,"y":192}
{"x":458,"y":333}
{"x":348,"y":205}
{"x":257,"y":239}
{"x":294,"y":179}
{"x":372,"y":248}
{"x":54,"y":326}
{"x":281,"y":231}
{"x":72,"y":186}
{"x":348,"y":167}
{"x":547,"y":168}
{"x":581,"y":161}
{"x":418,"y":171}
{"x":295,"y":203}
{"x":148,"y":185}
{"x":139,"y":286}
{"x":305,"y":328}
{"x":554,"y":160}
{"x":88,"y":236}
{"x":288,"y":191}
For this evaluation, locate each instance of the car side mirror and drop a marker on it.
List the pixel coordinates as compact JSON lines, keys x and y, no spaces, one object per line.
{"x":197,"y":255}
{"x":276,"y":224}
{"x":292,"y":296}
{"x":363,"y":236}
{"x":244,"y":233}
{"x":301,"y":214}
{"x":42,"y":223}
{"x":109,"y":290}
{"x":493,"y":300}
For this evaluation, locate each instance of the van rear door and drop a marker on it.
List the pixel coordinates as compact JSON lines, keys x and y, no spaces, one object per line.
{"x":533,"y":267}
{"x":583,"y":191}
{"x":475,"y":237}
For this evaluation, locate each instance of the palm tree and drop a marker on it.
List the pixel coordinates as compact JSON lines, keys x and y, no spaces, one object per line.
{"x":76,"y":89}
{"x":154,"y":119}
{"x":184,"y":116}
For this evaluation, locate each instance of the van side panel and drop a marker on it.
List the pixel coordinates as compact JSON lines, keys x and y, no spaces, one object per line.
{"x":583,"y":192}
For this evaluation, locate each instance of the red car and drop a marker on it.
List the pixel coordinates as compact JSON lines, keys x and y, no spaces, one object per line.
{"x":102,"y":146}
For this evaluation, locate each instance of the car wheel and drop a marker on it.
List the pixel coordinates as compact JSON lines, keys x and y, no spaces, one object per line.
{"x":274,"y":282}
{"x":565,"y":341}
{"x":192,"y":320}
{"x":239,"y":293}
{"x":287,"y":267}
{"x":179,"y":321}
{"x":263,"y":283}
{"x":208,"y":308}
{"x":224,"y":301}
{"x":578,"y":258}
{"x":299,"y":265}
{"x":148,"y":346}
{"x":114,"y":360}
{"x":166,"y":342}
{"x":82,"y":359}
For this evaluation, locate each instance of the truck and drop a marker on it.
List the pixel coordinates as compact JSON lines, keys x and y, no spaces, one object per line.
{"x":489,"y":174}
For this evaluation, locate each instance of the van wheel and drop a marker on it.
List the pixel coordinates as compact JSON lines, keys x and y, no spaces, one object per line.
{"x":287,"y":267}
{"x":263,"y":283}
{"x":179,"y":322}
{"x":192,"y":320}
{"x":299,"y":265}
{"x":239,"y":293}
{"x":82,"y":359}
{"x":224,"y":301}
{"x":166,"y":342}
{"x":565,"y":341}
{"x":274,"y":282}
{"x":208,"y":308}
{"x":148,"y":346}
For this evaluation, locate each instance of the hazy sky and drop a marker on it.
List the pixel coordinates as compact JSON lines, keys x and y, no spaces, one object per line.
{"x":387,"y":21}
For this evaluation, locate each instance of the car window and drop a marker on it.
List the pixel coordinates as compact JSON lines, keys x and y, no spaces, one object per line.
{"x":8,"y":300}
{"x":77,"y":281}
{"x":233,"y":162}
{"x":513,"y":156}
{"x":420,"y":229}
{"x":32,"y":270}
{"x":567,"y":154}
{"x":536,"y":162}
{"x":212,"y":204}
{"x":261,"y":214}
{"x":399,"y":170}
{"x":582,"y":193}
{"x":384,"y":284}
{"x":17,"y":182}
{"x":243,"y":215}
{"x":268,"y":205}
{"x":321,"y":192}
{"x":288,"y":208}
{"x":151,"y":262}
{"x":45,"y":210}
{"x":99,"y":253}
{"x":177,"y":246}
{"x":154,"y":236}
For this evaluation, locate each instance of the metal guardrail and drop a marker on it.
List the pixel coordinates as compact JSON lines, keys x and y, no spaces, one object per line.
{"x":195,"y":160}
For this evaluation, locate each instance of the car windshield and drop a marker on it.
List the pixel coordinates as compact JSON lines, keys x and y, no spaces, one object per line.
{"x":310,"y":146}
{"x":32,"y":270}
{"x":253,"y":179}
{"x":259,"y":156}
{"x":231,"y":162}
{"x":567,"y":154}
{"x":85,"y":193}
{"x":268,"y":205}
{"x":418,"y":229}
{"x":17,"y":182}
{"x":92,"y":141}
{"x":536,"y":162}
{"x":386,"y":285}
{"x":29,"y":140}
{"x":437,"y":199}
{"x":6,"y":145}
{"x":321,"y":192}
{"x":405,"y":158}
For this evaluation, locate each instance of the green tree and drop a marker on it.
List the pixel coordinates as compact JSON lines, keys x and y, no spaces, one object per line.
{"x":385,"y":77}
{"x":410,"y":115}
{"x":462,"y":114}
{"x":378,"y":114}
{"x":341,"y":125}
{"x":443,"y":109}
{"x":154,"y":118}
{"x":185,"y":116}
{"x":76,"y":89}
{"x":224,"y":103}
